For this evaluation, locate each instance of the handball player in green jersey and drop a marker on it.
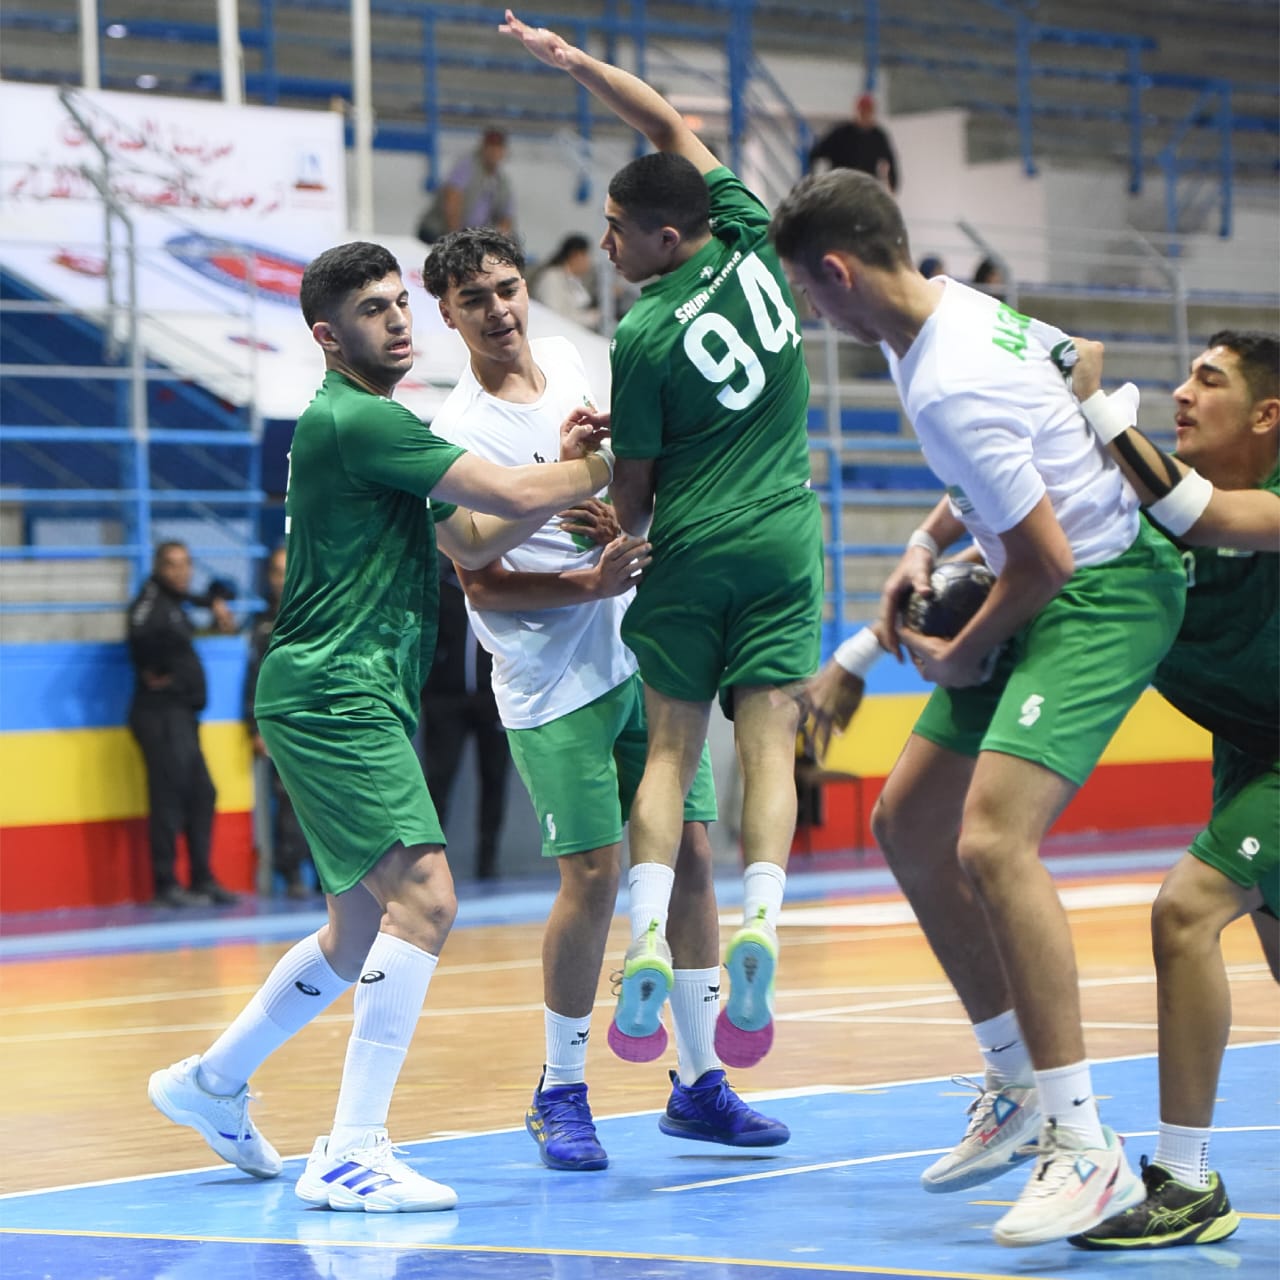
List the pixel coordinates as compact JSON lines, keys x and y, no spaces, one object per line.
{"x":371,"y":491}
{"x":1223,"y":672}
{"x":710,"y":426}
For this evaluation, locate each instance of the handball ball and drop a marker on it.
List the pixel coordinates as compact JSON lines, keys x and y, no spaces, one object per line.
{"x":959,"y":588}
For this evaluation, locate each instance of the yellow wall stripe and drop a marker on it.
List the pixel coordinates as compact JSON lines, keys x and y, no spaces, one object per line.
{"x":1152,"y":732}
{"x":91,"y":775}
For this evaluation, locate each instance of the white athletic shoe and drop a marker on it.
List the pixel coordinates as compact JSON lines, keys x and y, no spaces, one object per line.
{"x":369,"y":1177}
{"x":221,"y":1120}
{"x":1003,"y":1123}
{"x":1073,"y":1188}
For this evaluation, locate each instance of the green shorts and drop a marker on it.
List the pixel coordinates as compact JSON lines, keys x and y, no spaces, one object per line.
{"x":1242,"y":839}
{"x":356,"y":784}
{"x":1068,"y":678}
{"x":742,"y":605}
{"x":582,"y":770}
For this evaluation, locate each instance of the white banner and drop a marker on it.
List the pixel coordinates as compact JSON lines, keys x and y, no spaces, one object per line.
{"x":227,"y":206}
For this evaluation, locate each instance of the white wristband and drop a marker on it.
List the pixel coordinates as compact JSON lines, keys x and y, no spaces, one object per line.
{"x":604,"y":451}
{"x":1106,"y":416}
{"x":858,"y":654}
{"x":1184,"y":504}
{"x":920,"y":538}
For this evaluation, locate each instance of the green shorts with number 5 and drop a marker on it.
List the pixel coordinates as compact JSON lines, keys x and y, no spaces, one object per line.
{"x":582,"y":770}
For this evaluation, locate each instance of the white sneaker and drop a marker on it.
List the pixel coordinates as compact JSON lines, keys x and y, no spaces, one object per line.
{"x":1003,"y":1123}
{"x":1073,"y":1188}
{"x":221,"y":1120}
{"x":369,"y":1177}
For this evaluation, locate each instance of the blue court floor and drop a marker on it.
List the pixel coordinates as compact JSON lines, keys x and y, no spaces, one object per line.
{"x":841,"y":1199}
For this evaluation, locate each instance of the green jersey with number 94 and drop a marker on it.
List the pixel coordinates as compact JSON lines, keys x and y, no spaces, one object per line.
{"x":709,"y":376}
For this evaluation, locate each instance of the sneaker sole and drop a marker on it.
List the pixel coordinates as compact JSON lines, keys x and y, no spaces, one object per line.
{"x":1132,"y":1194}
{"x":320,"y":1194}
{"x":738,"y":1048}
{"x":643,"y":992}
{"x":762,"y":1138}
{"x":193,"y":1120}
{"x":1198,"y":1233}
{"x":975,"y":1175}
{"x":751,"y":964}
{"x":637,"y":1048}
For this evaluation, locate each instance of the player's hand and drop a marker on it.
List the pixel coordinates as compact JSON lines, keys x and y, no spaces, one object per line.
{"x":828,"y":702}
{"x":942,"y":662}
{"x":912,"y":573}
{"x":260,"y":747}
{"x":621,"y":565}
{"x":581,"y":432}
{"x":1086,"y":377}
{"x":592,"y":519}
{"x":545,"y":45}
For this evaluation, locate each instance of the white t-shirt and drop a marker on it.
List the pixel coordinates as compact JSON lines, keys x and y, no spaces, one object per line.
{"x":1000,"y":429}
{"x":546,"y":662}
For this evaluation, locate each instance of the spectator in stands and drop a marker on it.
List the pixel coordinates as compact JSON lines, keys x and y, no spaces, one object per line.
{"x":561,"y":282}
{"x":860,"y":143}
{"x":458,"y":703}
{"x":477,"y":193}
{"x":168,"y":697}
{"x":989,"y":277}
{"x":932,"y":265}
{"x":289,"y":852}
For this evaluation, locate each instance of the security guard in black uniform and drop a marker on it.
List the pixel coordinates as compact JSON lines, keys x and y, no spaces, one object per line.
{"x":168,"y":696}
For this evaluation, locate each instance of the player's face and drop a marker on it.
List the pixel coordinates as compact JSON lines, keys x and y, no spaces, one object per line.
{"x":636,"y":254}
{"x":490,"y":311}
{"x":829,"y":296}
{"x":1212,"y":408}
{"x":371,"y":332}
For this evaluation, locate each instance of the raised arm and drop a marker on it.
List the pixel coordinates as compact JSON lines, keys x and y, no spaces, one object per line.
{"x":627,"y":96}
{"x":1176,"y":495}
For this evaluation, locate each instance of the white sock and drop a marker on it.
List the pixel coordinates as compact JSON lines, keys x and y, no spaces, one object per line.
{"x":566,"y":1048}
{"x":1066,"y":1095}
{"x":695,"y":1002}
{"x":649,"y":886}
{"x":1184,"y":1151}
{"x":389,"y":1000}
{"x":763,"y":884}
{"x":299,"y":988}
{"x":1003,"y":1049}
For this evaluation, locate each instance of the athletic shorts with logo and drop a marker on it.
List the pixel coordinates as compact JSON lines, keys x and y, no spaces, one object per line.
{"x":356,"y":784}
{"x":740,"y":605}
{"x":1242,"y":839}
{"x":1067,"y":679}
{"x":582,"y":769}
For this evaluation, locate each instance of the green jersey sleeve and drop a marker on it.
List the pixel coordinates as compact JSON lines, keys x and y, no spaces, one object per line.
{"x":732,"y":203}
{"x":383,"y":443}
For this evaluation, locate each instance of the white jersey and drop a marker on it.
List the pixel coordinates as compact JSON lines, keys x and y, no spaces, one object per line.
{"x":1000,"y":429}
{"x":546,"y":662}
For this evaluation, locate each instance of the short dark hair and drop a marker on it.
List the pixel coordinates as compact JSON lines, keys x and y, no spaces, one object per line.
{"x":163,"y":549}
{"x":456,"y":258}
{"x":337,"y":272}
{"x":840,"y":210}
{"x":1259,"y":357}
{"x":662,"y":189}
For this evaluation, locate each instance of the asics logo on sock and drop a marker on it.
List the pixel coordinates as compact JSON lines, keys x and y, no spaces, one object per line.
{"x":307,"y":989}
{"x":374,"y":975}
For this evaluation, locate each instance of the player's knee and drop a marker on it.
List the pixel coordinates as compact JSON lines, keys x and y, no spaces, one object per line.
{"x":1180,"y":921}
{"x":591,"y":878}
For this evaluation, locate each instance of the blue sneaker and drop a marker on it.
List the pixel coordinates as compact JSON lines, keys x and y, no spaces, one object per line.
{"x":559,"y":1121}
{"x":708,"y":1110}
